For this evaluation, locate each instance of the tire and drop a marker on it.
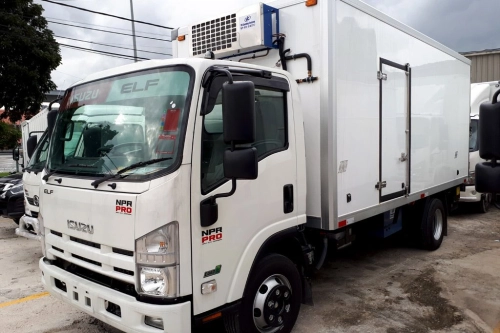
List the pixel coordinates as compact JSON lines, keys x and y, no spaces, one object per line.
{"x":16,"y":220}
{"x":434,"y":220}
{"x":484,"y":205}
{"x":269,"y":284}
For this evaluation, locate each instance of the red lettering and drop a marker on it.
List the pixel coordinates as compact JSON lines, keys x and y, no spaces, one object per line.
{"x":123,"y":209}
{"x":211,"y":238}
{"x":117,"y":208}
{"x":218,"y":236}
{"x":129,"y":210}
{"x":204,"y":239}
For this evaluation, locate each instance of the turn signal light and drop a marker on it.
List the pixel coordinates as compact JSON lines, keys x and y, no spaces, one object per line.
{"x":310,"y":3}
{"x":181,"y":38}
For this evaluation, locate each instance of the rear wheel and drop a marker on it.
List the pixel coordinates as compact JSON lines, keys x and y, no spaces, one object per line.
{"x":272,"y":297}
{"x":433,"y":223}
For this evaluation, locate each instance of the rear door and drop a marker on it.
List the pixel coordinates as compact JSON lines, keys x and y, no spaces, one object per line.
{"x":395,"y":91}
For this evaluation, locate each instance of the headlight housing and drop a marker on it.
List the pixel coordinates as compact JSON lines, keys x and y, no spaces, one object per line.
{"x":16,"y":188}
{"x":157,"y":260}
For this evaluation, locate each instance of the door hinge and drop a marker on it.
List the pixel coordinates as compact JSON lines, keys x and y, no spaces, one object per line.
{"x":403,"y":157}
{"x":381,"y":76}
{"x":380,"y":185}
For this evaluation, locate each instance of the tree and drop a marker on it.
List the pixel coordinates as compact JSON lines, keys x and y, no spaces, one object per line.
{"x":9,"y":136}
{"x":28,"y":54}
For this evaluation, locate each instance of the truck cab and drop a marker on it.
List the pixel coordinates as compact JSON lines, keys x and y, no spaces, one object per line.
{"x":480,"y":93}
{"x":139,"y":234}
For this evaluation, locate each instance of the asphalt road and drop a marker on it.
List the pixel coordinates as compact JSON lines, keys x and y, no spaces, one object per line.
{"x":383,"y":287}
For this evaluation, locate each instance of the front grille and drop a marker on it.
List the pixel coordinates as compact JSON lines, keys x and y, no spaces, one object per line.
{"x":31,"y":201}
{"x":87,"y":260}
{"x":84,"y":242}
{"x":115,"y":263}
{"x":34,"y":214}
{"x":15,"y":206}
{"x":121,"y":286}
{"x":214,"y":35}
{"x":124,"y":252}
{"x":124,"y":271}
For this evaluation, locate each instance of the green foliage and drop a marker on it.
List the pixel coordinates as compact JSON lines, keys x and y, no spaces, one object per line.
{"x":9,"y":136}
{"x":28,"y":54}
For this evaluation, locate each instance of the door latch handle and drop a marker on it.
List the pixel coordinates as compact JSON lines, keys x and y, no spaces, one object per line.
{"x":288,"y":198}
{"x":403,"y":157}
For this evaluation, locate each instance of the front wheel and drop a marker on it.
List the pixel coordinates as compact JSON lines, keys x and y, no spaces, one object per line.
{"x":484,"y":204}
{"x":272,"y":297}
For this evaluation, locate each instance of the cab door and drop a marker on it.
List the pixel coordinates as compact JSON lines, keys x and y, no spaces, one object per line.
{"x":220,"y":251}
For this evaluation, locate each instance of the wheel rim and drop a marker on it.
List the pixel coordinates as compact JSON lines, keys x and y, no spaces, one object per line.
{"x":438,"y":224}
{"x":272,"y":304}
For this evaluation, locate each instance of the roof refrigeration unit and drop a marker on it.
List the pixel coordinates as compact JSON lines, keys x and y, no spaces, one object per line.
{"x":251,"y":29}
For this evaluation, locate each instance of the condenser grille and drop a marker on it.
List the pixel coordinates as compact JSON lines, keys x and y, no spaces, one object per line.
{"x":214,"y":35}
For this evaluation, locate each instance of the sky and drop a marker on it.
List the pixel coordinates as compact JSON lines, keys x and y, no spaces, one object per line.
{"x":462,"y":25}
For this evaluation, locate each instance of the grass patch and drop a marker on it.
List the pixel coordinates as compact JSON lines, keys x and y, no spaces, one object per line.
{"x":3,"y":174}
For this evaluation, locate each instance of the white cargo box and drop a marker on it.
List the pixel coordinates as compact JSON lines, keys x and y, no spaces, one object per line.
{"x":387,"y":121}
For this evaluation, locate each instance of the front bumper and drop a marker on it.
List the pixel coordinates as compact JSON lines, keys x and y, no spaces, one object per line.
{"x":90,"y":297}
{"x":29,"y":227}
{"x":470,"y":194}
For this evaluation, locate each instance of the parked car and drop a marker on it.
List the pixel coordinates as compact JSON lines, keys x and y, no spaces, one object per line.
{"x":12,"y":197}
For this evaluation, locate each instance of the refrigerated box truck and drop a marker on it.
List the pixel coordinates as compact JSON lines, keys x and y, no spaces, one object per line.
{"x":273,"y":130}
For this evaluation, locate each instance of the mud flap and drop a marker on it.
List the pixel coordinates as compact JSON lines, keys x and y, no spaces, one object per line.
{"x":307,"y":291}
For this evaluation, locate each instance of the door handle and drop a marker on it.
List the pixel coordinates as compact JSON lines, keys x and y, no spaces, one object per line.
{"x":288,"y":198}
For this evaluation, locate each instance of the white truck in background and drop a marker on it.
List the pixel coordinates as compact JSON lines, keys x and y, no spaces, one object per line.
{"x":480,"y":93}
{"x":35,"y":143}
{"x":273,"y":130}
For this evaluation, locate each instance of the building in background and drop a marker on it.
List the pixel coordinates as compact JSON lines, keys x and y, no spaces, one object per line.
{"x":485,"y":66}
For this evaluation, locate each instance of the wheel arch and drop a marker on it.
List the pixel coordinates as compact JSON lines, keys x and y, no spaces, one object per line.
{"x":285,"y":242}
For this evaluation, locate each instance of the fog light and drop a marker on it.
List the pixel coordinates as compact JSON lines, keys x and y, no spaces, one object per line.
{"x":154,"y":322}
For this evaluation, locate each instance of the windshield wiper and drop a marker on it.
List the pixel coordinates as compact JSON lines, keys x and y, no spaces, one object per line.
{"x":46,"y":177}
{"x":96,"y":182}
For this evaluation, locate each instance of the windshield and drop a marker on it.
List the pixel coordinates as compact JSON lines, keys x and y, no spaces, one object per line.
{"x":39,"y":157}
{"x":107,"y":125}
{"x":473,"y":144}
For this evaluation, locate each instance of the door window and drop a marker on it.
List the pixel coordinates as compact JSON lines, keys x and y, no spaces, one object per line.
{"x":271,"y":134}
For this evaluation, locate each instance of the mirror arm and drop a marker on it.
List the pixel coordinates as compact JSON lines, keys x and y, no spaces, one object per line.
{"x":225,"y":71}
{"x":225,"y":195}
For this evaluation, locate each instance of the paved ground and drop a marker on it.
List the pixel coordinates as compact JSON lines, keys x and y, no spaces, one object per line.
{"x":7,"y":163}
{"x":385,"y":287}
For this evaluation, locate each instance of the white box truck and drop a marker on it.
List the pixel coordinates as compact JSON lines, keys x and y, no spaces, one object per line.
{"x":35,"y":143}
{"x":275,"y":129}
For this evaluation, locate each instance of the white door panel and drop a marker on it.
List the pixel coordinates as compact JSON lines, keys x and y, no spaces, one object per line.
{"x":255,"y":205}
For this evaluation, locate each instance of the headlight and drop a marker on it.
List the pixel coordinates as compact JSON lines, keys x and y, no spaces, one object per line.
{"x":16,"y":188}
{"x":157,"y":259}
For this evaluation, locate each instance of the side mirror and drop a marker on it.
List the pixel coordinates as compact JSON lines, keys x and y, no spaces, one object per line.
{"x":31,"y":145}
{"x":51,"y":120}
{"x":15,"y":154}
{"x":241,"y":163}
{"x":238,"y":112}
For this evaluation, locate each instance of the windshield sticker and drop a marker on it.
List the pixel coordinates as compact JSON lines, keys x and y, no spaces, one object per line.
{"x":166,"y":144}
{"x":171,"y":122}
{"x":248,"y":21}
